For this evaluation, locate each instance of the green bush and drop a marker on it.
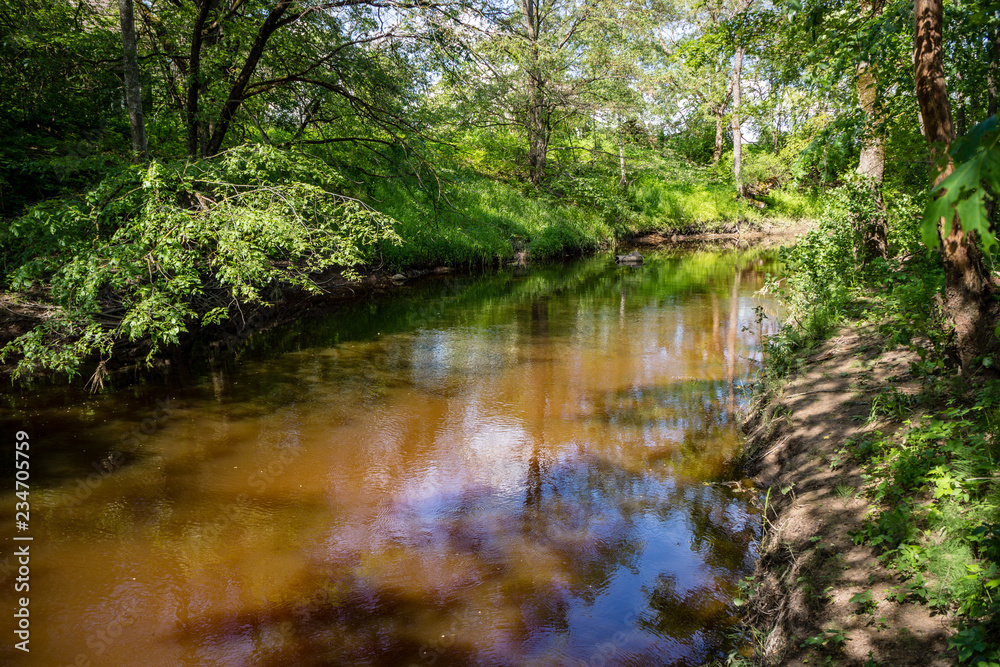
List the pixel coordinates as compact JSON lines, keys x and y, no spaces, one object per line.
{"x":156,"y":249}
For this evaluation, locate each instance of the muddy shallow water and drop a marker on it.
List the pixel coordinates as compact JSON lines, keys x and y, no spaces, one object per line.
{"x":511,"y":469}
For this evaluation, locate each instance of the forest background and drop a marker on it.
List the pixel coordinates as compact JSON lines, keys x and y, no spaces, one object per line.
{"x":169,"y":166}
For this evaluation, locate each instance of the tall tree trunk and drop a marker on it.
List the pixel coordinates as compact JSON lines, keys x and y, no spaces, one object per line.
{"x":536,"y":127}
{"x":961,"y":119}
{"x":737,"y":136}
{"x":871,"y":228}
{"x":968,"y":292}
{"x":133,"y":90}
{"x":720,"y":133}
{"x":536,"y":123}
{"x":237,"y":92}
{"x":191,"y":111}
{"x":622,"y":182}
{"x":776,"y":137}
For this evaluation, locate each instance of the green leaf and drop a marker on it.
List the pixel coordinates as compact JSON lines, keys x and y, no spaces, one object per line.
{"x":966,"y":146}
{"x":962,"y":194}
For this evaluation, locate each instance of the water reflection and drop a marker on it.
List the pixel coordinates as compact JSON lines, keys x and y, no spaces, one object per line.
{"x":505,"y":470}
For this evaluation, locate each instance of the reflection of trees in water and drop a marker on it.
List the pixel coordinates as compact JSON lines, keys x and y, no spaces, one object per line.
{"x":723,"y":527}
{"x":558,"y":536}
{"x":526,"y":563}
{"x":689,"y":424}
{"x":696,"y":617}
{"x":697,"y":405}
{"x":699,"y":615}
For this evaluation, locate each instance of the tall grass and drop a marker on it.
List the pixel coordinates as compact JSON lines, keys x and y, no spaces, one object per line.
{"x":479,"y":216}
{"x":710,"y":206}
{"x":480,"y":220}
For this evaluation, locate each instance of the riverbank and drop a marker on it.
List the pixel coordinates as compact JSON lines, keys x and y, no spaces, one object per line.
{"x":878,"y":456}
{"x":20,"y":313}
{"x":818,"y":594}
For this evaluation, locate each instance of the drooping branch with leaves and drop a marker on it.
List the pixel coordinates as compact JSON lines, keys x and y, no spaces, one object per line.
{"x":162,"y":248}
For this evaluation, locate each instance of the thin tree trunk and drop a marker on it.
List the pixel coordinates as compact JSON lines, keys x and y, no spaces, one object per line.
{"x":191,"y":115}
{"x":720,"y":133}
{"x":871,"y":166}
{"x":237,"y":93}
{"x":777,"y":131}
{"x":623,"y":182}
{"x":737,"y":136}
{"x":823,"y":179}
{"x":961,"y":120}
{"x":133,"y":89}
{"x":968,"y":292}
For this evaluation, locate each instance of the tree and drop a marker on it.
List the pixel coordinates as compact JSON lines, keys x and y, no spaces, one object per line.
{"x":873,"y":230}
{"x":737,"y":134}
{"x":133,"y":90}
{"x":541,"y":65}
{"x":737,"y":92}
{"x":60,"y":99}
{"x":968,"y":292}
{"x":291,"y":61}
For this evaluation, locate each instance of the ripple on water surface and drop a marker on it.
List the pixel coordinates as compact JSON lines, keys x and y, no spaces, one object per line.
{"x":512,"y":475}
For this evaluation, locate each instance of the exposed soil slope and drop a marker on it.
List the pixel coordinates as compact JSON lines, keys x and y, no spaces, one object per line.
{"x":810,"y":569}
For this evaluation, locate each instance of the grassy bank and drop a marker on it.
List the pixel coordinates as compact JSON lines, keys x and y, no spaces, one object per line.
{"x":478,"y":219}
{"x":881,"y":458}
{"x":154,"y":253}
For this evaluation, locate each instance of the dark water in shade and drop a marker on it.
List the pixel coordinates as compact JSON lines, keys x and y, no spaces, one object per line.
{"x":501,"y":470}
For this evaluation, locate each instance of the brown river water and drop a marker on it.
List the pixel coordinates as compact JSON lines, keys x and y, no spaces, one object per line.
{"x":518,"y":468}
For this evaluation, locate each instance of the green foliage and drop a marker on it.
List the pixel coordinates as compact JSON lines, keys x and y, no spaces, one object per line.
{"x":678,"y":195}
{"x":866,"y":603}
{"x":976,"y":647}
{"x":932,"y":485}
{"x":977,"y":160}
{"x":826,"y":282}
{"x":155,"y":249}
{"x":890,"y":403}
{"x":58,"y":134}
{"x":481,"y":221}
{"x":822,"y":275}
{"x":593,"y":188}
{"x":830,"y":638}
{"x":937,"y":525}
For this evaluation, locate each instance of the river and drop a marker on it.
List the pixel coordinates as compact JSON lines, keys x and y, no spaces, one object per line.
{"x":518,"y":468}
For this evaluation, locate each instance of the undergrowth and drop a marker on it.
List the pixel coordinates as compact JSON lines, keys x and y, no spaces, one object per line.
{"x":157,"y":249}
{"x":932,"y":483}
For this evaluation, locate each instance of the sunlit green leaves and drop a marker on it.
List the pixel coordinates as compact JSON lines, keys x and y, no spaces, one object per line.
{"x":186,"y":243}
{"x":962,"y":194}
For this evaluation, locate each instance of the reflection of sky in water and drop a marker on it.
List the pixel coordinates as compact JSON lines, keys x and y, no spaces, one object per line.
{"x":520,"y":470}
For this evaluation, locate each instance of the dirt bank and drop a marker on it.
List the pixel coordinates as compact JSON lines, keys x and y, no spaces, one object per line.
{"x":819,"y":598}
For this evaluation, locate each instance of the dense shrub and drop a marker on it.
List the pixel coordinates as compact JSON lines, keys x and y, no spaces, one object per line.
{"x":155,"y":249}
